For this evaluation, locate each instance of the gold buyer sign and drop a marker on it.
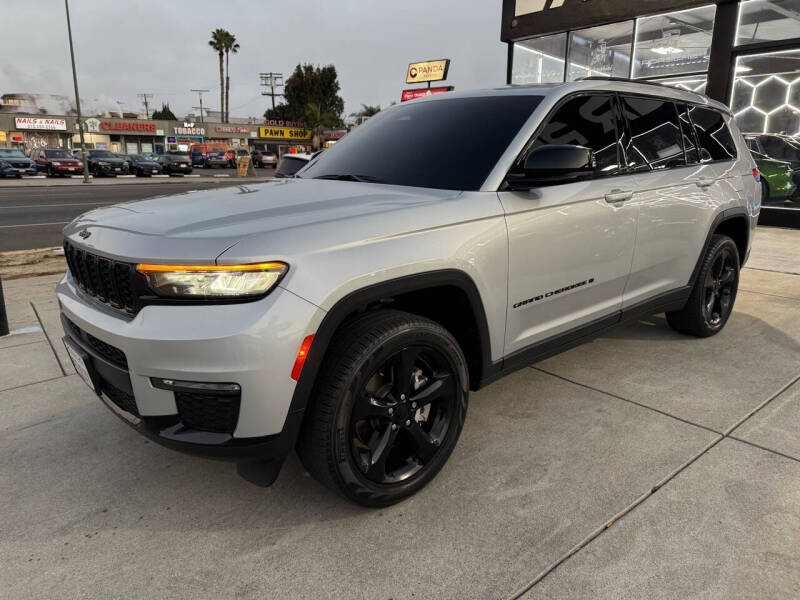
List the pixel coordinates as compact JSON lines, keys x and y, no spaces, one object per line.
{"x":285,"y":133}
{"x":430,"y":70}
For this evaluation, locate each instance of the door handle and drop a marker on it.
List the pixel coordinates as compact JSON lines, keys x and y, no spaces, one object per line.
{"x":618,"y":196}
{"x":705,"y":182}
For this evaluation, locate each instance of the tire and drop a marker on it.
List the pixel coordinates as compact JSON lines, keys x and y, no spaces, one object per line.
{"x":363,"y":437}
{"x":711,"y":302}
{"x":764,"y":190}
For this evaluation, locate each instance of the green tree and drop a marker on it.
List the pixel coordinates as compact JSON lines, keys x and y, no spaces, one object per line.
{"x":217,"y":42}
{"x":367,"y":111}
{"x":279,"y":113}
{"x":318,"y":119}
{"x":313,"y":85}
{"x":231,"y":46}
{"x":165,"y":114}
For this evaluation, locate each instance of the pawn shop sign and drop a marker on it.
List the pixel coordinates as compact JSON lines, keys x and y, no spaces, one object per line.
{"x":430,"y":70}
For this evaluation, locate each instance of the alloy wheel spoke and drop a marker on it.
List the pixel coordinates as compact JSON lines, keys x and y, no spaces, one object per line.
{"x":379,"y":453}
{"x":401,"y":372}
{"x":728,"y":276}
{"x":424,"y":445}
{"x":368,"y":407}
{"x":441,"y":385}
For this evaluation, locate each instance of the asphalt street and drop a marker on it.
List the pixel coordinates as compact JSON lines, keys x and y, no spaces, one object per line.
{"x":32,"y":217}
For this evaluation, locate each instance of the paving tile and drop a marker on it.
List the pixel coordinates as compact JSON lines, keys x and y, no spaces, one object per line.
{"x":713,"y":381}
{"x":775,"y":249}
{"x":727,"y":527}
{"x":777,"y":425}
{"x":768,"y":282}
{"x":90,"y":505}
{"x":26,"y":364}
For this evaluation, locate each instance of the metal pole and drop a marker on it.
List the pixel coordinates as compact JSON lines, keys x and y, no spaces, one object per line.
{"x":201,"y":108}
{"x":77,"y":98}
{"x":3,"y":315}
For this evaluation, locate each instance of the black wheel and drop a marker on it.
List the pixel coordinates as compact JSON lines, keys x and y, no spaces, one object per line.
{"x":711,"y":301}
{"x":764,"y":190}
{"x":387,"y":410}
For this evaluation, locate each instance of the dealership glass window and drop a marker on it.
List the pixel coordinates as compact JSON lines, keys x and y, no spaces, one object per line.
{"x":766,"y":93}
{"x":673,"y":43}
{"x":539,"y":60}
{"x":585,"y":121}
{"x":696,"y":83}
{"x":600,"y":51}
{"x":768,"y":20}
{"x":655,"y":134}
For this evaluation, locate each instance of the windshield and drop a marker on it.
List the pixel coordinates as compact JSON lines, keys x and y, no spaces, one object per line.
{"x":9,"y":153}
{"x":290,"y":165}
{"x":101,"y":154}
{"x":57,"y":154}
{"x":447,"y":144}
{"x":136,"y":157}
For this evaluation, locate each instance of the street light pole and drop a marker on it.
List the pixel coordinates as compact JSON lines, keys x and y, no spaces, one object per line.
{"x":77,"y":98}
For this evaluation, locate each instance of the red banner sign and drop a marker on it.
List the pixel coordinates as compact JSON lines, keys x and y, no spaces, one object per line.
{"x":413,"y":94}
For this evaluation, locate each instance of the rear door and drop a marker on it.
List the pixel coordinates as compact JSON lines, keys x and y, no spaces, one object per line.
{"x":674,"y":192}
{"x":570,"y":244}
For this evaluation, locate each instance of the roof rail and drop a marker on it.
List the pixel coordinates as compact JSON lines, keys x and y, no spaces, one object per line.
{"x":626,"y":79}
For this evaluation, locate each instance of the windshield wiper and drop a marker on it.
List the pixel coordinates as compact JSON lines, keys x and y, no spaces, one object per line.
{"x":349,"y":177}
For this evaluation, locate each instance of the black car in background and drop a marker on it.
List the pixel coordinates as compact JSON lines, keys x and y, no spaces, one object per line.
{"x":291,"y":164}
{"x":176,"y":163}
{"x":142,"y":166}
{"x":17,"y":160}
{"x":7,"y":170}
{"x":102,"y":162}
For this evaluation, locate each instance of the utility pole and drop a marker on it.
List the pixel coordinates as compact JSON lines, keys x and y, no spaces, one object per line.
{"x":200,"y":95}
{"x":77,"y":98}
{"x":144,"y":98}
{"x":271,"y":81}
{"x":200,"y":108}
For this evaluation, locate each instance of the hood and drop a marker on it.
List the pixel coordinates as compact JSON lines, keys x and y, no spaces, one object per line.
{"x":201,"y":225}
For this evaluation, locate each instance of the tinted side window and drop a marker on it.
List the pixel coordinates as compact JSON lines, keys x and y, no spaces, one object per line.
{"x":655,"y":134}
{"x":716,"y":142}
{"x":585,"y":121}
{"x":692,"y":155}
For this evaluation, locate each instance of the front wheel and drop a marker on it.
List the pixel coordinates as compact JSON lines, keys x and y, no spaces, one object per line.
{"x":711,"y":302}
{"x":387,"y":410}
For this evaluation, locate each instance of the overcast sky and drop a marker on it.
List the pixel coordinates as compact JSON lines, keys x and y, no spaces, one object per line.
{"x":160,"y":46}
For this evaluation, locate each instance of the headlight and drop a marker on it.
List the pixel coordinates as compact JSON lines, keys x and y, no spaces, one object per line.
{"x":100,"y":162}
{"x":56,"y":164}
{"x":213,"y":281}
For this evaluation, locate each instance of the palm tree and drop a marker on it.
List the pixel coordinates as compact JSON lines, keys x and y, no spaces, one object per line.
{"x":217,"y":42}
{"x":230,"y":45}
{"x":369,"y":111}
{"x":317,"y":120}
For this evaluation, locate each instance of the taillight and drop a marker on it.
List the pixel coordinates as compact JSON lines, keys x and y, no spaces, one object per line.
{"x":757,"y":175}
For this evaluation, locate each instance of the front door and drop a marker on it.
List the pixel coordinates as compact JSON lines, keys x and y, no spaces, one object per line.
{"x":570,"y":244}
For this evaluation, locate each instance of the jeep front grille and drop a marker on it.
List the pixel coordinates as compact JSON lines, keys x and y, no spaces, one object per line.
{"x":107,"y":281}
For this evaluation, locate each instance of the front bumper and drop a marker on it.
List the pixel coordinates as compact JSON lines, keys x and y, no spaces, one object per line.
{"x":252,"y":344}
{"x":71,"y":170}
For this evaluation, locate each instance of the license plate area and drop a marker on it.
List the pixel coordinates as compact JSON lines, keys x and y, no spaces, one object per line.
{"x":83,"y":365}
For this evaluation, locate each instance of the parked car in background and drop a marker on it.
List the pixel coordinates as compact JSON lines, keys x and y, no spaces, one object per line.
{"x":778,"y":147}
{"x":14,"y":157}
{"x":216,"y":158}
{"x":8,"y":170}
{"x":776,"y":178}
{"x":150,"y":156}
{"x":238,"y":154}
{"x":263,"y":158}
{"x":56,"y":161}
{"x":102,"y":162}
{"x":291,"y":164}
{"x":175,"y":163}
{"x":142,"y":166}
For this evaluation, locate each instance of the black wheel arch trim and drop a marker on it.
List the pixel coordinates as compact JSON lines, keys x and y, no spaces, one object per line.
{"x":362,"y":298}
{"x":729,"y":214}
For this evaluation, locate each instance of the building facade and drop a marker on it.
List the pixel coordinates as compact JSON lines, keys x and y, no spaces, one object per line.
{"x":744,"y":53}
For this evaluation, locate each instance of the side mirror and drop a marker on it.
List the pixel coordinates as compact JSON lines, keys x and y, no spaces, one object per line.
{"x":553,"y":163}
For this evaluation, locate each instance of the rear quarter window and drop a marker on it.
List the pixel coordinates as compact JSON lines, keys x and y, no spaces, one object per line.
{"x":713,"y":135}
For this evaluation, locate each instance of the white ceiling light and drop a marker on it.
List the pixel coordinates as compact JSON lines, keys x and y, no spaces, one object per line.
{"x":666,"y":49}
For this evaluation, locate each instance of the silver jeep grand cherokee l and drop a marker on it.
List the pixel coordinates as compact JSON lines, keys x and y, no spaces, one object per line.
{"x":442,"y":244}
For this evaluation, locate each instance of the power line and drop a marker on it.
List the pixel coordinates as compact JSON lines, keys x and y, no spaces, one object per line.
{"x":145,"y":97}
{"x":271,"y":81}
{"x":200,"y":95}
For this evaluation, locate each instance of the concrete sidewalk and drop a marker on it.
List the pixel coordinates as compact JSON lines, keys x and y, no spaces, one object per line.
{"x":644,"y":464}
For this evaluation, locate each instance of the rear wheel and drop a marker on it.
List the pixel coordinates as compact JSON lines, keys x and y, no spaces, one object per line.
{"x":388,"y":408}
{"x":714,"y":293}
